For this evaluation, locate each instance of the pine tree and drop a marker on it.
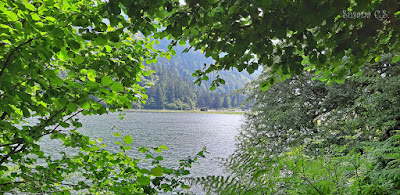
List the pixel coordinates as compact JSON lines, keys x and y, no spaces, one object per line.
{"x":227,"y":102}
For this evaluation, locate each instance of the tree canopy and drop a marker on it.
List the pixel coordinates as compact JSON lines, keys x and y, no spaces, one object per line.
{"x":62,"y":58}
{"x":306,"y":137}
{"x":289,"y":36}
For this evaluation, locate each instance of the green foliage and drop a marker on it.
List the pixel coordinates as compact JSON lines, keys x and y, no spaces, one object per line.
{"x":59,"y":59}
{"x":305,"y":137}
{"x":62,"y":58}
{"x":286,"y":36}
{"x":94,"y":169}
{"x":128,"y":139}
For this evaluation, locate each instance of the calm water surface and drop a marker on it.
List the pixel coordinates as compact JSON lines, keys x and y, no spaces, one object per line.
{"x":185,"y":134}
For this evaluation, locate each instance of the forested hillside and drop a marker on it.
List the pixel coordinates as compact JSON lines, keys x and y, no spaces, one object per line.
{"x":174,"y":86}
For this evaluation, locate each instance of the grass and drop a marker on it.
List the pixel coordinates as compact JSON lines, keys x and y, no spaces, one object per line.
{"x":189,"y":111}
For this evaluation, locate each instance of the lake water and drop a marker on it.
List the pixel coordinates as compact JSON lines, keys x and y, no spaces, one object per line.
{"x":185,"y":134}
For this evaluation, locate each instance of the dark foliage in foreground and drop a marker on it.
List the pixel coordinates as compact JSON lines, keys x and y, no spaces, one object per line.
{"x":307,"y":137}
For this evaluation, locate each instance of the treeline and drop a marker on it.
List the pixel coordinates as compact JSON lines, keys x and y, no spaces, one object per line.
{"x":173,"y":84}
{"x":171,"y":91}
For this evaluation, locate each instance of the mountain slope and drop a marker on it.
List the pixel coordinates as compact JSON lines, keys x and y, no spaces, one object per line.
{"x":174,"y":86}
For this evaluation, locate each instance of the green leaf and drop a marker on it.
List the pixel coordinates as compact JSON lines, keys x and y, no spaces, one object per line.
{"x":72,"y":107}
{"x":168,"y":56}
{"x":108,"y":48}
{"x":78,"y":59}
{"x":91,"y":75}
{"x":396,"y":59}
{"x":127,"y":147}
{"x":359,"y":73}
{"x":63,"y":54}
{"x":29,"y":6}
{"x":64,"y":124}
{"x":73,"y":45}
{"x":164,"y":147}
{"x":159,"y":158}
{"x":377,"y":58}
{"x":144,"y":171}
{"x":157,"y":171}
{"x":116,"y":135}
{"x":148,"y":61}
{"x":117,"y":87}
{"x":340,"y":80}
{"x":143,"y":149}
{"x":56,"y":81}
{"x":35,"y":17}
{"x":39,"y":24}
{"x":11,"y":15}
{"x":49,"y":18}
{"x":83,"y":71}
{"x":143,"y":180}
{"x":212,"y":88}
{"x":101,"y":39}
{"x":18,"y":25}
{"x":85,"y":105}
{"x":185,"y":186}
{"x":265,"y":85}
{"x":182,"y":42}
{"x":106,"y":81}
{"x":128,"y":139}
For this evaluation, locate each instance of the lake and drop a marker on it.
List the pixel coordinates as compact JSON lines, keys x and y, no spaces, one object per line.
{"x":185,"y":134}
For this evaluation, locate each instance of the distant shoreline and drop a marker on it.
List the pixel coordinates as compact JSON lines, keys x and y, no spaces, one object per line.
{"x":187,"y":111}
